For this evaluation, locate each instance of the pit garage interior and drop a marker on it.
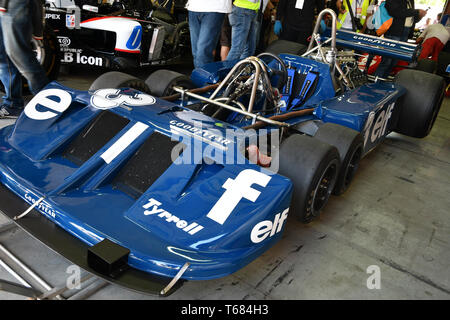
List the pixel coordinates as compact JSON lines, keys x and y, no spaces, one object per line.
{"x":395,"y":216}
{"x":393,"y":223}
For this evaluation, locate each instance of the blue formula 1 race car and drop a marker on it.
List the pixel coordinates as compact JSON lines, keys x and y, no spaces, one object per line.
{"x":145,"y":191}
{"x":324,"y":106}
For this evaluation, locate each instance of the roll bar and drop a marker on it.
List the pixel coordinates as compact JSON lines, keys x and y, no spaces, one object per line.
{"x":317,"y":27}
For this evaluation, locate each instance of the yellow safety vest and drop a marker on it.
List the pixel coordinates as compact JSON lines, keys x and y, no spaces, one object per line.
{"x":363,"y":16}
{"x":247,"y":4}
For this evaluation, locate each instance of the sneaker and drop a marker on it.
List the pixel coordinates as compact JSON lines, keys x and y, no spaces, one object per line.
{"x":9,"y":112}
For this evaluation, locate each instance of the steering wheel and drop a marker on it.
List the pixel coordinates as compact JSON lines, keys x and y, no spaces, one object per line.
{"x":279,"y":70}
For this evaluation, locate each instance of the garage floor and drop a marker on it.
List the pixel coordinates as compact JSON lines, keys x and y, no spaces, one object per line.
{"x":395,"y":216}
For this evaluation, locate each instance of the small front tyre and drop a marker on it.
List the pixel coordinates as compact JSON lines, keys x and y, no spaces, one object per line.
{"x":161,"y":82}
{"x":116,"y":79}
{"x":350,"y":145}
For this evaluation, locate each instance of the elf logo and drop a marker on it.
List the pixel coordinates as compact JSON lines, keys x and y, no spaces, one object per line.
{"x":267,"y":228}
{"x":236,"y":190}
{"x":376,"y":128}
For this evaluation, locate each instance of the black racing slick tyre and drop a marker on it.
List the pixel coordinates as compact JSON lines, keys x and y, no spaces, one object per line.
{"x":420,"y":105}
{"x":427,"y":65}
{"x":350,"y":145}
{"x":443,"y":62}
{"x":121,"y":63}
{"x":312,"y":166}
{"x":284,"y":46}
{"x":116,"y":79}
{"x":48,"y":54}
{"x":161,"y":82}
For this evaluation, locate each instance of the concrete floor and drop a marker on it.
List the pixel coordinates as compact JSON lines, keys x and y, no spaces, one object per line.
{"x":394,"y":216}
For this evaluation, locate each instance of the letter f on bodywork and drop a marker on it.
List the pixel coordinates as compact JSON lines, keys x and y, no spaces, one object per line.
{"x":237,"y":189}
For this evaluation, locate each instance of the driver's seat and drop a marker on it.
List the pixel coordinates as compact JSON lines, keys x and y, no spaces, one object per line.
{"x":299,"y":88}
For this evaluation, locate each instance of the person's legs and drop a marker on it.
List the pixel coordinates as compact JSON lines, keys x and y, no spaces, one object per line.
{"x":295,"y":35}
{"x":17,"y":33}
{"x":250,"y":46}
{"x":386,"y":64}
{"x":437,"y":50}
{"x":194,"y":30}
{"x":240,"y":21}
{"x":225,"y":38}
{"x":385,"y":67}
{"x":303,"y":35}
{"x":10,"y":78}
{"x":261,"y":41}
{"x":431,"y":48}
{"x":210,"y":26}
{"x":427,"y":49}
{"x":288,"y":33}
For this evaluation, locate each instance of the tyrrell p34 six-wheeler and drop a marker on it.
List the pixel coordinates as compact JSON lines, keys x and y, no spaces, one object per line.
{"x":108,"y":177}
{"x":96,"y":166}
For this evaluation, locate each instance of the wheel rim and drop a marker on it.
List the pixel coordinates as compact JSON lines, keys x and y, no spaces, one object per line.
{"x":38,"y":50}
{"x":138,"y":85}
{"x":352,"y":166}
{"x":322,"y":191}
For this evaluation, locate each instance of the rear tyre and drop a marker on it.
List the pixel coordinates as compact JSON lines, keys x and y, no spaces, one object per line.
{"x":350,"y":144}
{"x":121,"y":63}
{"x":443,"y":62}
{"x":116,"y":79}
{"x":161,"y":82}
{"x":419,"y":106}
{"x":312,"y":166}
{"x":426,"y":65}
{"x":48,"y":53}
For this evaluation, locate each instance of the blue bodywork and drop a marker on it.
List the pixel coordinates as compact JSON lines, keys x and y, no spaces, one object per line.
{"x":358,"y":109}
{"x":375,"y":45}
{"x":165,"y":226}
{"x":196,"y":211}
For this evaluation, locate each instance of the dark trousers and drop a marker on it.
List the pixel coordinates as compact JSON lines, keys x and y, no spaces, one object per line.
{"x":387,"y":64}
{"x":295,"y":35}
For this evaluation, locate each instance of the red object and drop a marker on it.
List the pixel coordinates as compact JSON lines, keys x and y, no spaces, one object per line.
{"x":375,"y":63}
{"x":399,"y":67}
{"x":431,"y":47}
{"x":447,"y":91}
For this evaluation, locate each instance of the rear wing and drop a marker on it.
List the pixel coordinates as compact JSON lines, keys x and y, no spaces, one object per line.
{"x":374,"y":45}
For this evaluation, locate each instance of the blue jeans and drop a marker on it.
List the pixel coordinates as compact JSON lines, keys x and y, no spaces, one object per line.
{"x":244,"y":31}
{"x":387,"y":64}
{"x":17,"y":34}
{"x":205,"y":31}
{"x":10,"y":78}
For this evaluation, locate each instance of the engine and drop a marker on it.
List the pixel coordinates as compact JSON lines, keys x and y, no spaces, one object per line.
{"x":352,"y":76}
